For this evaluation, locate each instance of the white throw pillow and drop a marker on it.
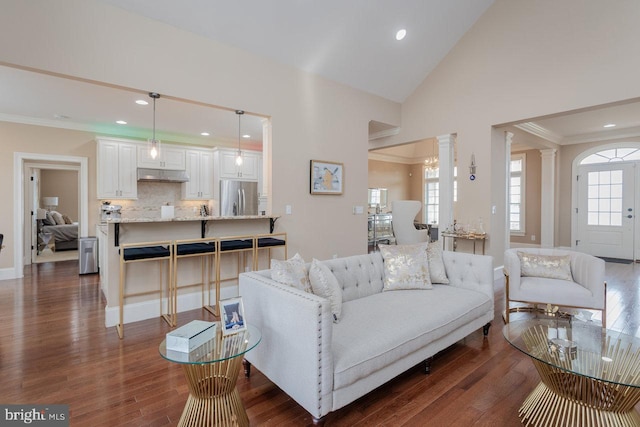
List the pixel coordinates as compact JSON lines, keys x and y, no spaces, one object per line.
{"x":57,"y":217}
{"x":437,"y":272}
{"x":325,"y":284}
{"x":546,"y":266}
{"x":291,"y":272}
{"x":405,"y":267}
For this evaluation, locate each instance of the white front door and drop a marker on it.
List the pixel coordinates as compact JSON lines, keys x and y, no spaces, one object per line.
{"x":606,"y":200}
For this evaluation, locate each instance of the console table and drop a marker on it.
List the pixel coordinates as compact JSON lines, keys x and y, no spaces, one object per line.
{"x":212,"y":371}
{"x":464,"y":236}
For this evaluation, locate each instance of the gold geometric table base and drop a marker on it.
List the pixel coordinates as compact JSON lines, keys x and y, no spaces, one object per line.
{"x":213,"y":397}
{"x":544,"y":407}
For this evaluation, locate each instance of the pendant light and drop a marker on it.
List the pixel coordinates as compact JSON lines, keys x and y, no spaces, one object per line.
{"x":153,"y":143}
{"x":239,"y":156}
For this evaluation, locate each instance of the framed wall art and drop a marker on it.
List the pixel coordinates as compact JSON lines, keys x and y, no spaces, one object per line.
{"x":326,"y":177}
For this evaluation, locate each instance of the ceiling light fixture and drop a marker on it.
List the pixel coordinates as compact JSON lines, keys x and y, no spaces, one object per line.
{"x":142,"y":102}
{"x":121,"y":122}
{"x":432,"y":162}
{"x":401,"y":34}
{"x":204,"y":133}
{"x":609,"y":125}
{"x":153,"y":143}
{"x":246,"y":136}
{"x":239,"y":156}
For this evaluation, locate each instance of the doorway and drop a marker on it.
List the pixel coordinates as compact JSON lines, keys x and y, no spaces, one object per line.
{"x":606,"y":202}
{"x":22,"y":206}
{"x":53,"y":194}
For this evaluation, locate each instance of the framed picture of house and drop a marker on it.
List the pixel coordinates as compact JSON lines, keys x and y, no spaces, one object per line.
{"x":326,"y":177}
{"x":232,"y":315}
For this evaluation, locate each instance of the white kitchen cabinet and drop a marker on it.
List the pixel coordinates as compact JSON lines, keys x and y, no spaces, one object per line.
{"x":117,"y":174}
{"x":170,"y":158}
{"x":248,"y":171}
{"x":199,"y":166}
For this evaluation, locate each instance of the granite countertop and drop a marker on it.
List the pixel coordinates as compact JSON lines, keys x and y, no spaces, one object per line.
{"x":188,"y":218}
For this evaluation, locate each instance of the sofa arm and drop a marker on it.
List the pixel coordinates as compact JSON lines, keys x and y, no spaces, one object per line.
{"x":589,"y":272}
{"x":295,"y":350}
{"x":470,"y":271}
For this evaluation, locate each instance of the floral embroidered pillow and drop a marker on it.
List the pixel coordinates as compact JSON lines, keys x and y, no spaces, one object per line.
{"x":405,"y":267}
{"x":546,"y":266}
{"x":291,"y":272}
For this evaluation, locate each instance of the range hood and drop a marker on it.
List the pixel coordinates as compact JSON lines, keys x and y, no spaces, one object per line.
{"x":162,"y":175}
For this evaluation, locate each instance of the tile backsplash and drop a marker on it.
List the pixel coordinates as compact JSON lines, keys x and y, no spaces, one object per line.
{"x":152,"y":195}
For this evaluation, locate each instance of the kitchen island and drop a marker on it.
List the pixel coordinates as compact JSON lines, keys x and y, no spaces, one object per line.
{"x":141,"y":277}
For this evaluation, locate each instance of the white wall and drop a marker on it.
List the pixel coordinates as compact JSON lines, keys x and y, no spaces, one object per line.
{"x":522,"y":59}
{"x":312,"y":118}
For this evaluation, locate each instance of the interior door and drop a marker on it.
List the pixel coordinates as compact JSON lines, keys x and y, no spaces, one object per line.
{"x":606,"y":199}
{"x":34,"y":193}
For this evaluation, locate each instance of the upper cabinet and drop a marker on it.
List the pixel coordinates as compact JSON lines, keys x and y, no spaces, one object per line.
{"x":225,"y":162}
{"x":199,"y":166}
{"x":117,"y":175}
{"x":172,"y":158}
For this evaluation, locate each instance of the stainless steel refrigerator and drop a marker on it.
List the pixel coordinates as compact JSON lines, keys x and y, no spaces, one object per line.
{"x":238,"y":198}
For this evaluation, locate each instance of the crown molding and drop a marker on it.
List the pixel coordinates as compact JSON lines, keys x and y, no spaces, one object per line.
{"x":394,"y":159}
{"x":539,"y":131}
{"x":384,"y":133}
{"x":606,"y":135}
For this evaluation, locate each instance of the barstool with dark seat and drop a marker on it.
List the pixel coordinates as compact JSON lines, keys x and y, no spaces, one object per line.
{"x":145,"y":252}
{"x":207,"y":250}
{"x":234,"y":244}
{"x":268,"y":241}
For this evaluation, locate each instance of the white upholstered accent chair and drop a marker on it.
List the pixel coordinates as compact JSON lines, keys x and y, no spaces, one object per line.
{"x":404,"y":213}
{"x":587,"y":290}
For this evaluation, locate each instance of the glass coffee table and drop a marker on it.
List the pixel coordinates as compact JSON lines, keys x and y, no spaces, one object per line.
{"x":212,"y":372}
{"x":590,"y":376}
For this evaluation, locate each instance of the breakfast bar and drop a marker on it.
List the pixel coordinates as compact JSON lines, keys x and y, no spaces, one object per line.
{"x":142,"y":281}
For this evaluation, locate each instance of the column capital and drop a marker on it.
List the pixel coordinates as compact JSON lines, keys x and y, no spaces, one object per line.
{"x":548,"y":152}
{"x":449,"y":138}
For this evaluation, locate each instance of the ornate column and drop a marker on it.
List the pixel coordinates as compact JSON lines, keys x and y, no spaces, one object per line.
{"x":446,"y":165}
{"x":547,"y":197}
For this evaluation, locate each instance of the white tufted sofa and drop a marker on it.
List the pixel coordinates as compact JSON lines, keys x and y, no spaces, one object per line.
{"x":324,"y":365}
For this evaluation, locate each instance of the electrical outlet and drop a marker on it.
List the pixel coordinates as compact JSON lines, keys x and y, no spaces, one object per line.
{"x":533,"y":237}
{"x":287,"y":209}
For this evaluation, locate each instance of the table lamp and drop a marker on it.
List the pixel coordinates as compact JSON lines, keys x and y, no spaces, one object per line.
{"x":50,"y":202}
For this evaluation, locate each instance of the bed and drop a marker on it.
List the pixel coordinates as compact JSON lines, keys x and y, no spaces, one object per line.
{"x":65,"y":236}
{"x":64,"y":232}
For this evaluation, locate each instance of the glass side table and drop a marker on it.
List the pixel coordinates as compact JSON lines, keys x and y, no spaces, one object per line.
{"x":212,"y":372}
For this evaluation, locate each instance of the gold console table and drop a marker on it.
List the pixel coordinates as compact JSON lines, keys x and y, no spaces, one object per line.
{"x":481,"y":238}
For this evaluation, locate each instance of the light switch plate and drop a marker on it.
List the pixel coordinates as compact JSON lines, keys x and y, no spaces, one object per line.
{"x":287,"y":209}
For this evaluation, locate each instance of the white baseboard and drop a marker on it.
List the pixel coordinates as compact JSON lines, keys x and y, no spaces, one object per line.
{"x":149,"y":309}
{"x":9,"y":273}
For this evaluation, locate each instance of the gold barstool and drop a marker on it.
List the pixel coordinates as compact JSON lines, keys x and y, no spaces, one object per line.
{"x":268,"y":241}
{"x":145,"y":252}
{"x":241,"y":245}
{"x":207,"y":250}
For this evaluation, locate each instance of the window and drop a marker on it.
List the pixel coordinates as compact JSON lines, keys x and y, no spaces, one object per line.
{"x":604,"y":198}
{"x":432,"y":194}
{"x":516,"y":194}
{"x":612,"y":155}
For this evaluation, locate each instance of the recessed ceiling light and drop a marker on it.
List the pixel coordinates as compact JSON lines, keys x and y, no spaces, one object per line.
{"x":121,"y":122}
{"x":400,"y":34}
{"x":204,"y":133}
{"x":246,"y":135}
{"x":610,"y":125}
{"x":142,"y":102}
{"x":60,"y":117}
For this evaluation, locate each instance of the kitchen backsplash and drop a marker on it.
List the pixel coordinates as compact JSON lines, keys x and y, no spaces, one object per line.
{"x":152,"y":195}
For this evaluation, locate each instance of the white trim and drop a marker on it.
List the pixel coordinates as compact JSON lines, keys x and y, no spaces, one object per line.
{"x":384,"y":133}
{"x":537,"y":130}
{"x":19,"y":161}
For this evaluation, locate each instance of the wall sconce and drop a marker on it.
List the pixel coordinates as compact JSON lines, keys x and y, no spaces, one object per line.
{"x":472,"y":168}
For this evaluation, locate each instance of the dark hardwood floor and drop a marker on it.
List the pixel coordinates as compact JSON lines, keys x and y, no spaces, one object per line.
{"x":54,"y":349}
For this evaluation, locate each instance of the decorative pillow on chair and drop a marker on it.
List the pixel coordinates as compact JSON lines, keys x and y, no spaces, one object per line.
{"x":405,"y":267}
{"x":437,"y":272}
{"x":291,"y":272}
{"x":547,"y":266}
{"x":325,"y":284}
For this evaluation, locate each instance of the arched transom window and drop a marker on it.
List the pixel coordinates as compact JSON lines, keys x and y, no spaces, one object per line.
{"x":612,"y":155}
